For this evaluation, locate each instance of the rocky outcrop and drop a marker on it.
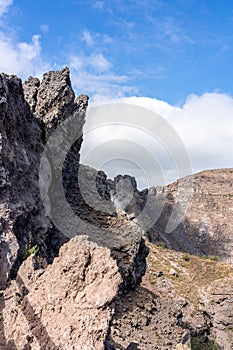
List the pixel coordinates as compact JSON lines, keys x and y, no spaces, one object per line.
{"x":90,"y":200}
{"x":125,"y":195}
{"x":57,"y":306}
{"x":201,"y":204}
{"x":207,"y":226}
{"x":218,"y":299}
{"x":189,"y":310}
{"x":28,"y":115}
{"x":88,"y":296}
{"x":21,"y":146}
{"x":53,"y":100}
{"x":68,"y":306}
{"x":71,"y":302}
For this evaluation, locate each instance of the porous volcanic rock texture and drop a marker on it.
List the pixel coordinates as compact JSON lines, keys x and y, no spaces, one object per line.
{"x":24,"y":127}
{"x":68,"y":306}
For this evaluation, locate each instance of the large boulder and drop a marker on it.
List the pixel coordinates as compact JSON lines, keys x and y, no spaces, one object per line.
{"x":70,"y":305}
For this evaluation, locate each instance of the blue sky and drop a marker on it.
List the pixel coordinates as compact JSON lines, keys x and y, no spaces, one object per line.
{"x":172,"y":57}
{"x":163,"y":49}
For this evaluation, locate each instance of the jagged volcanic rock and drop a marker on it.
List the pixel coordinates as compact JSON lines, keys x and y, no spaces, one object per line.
{"x":23,"y":219}
{"x":21,"y":145}
{"x":111,"y":258}
{"x":88,"y":297}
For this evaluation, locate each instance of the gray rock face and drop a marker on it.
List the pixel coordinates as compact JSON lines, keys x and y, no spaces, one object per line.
{"x":89,"y":197}
{"x":31,"y":87}
{"x":125,"y":195}
{"x":75,"y":296}
{"x":21,"y":212}
{"x":53,"y":100}
{"x":22,"y":135}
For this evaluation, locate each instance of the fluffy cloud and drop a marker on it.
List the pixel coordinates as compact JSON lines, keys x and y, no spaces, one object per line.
{"x":4,"y":4}
{"x":88,"y":38}
{"x":94,"y":75}
{"x":21,"y":58}
{"x":204,"y":124}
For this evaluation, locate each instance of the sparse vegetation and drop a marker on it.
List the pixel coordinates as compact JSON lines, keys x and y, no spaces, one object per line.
{"x":186,"y":325}
{"x":194,"y":272}
{"x":228,"y":195}
{"x":152,"y":280}
{"x":211,"y":257}
{"x":30,"y":251}
{"x":198,"y":344}
{"x":161,"y":245}
{"x":186,"y":257}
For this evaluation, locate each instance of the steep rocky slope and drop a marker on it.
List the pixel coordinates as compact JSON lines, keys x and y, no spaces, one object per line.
{"x":183,"y":302}
{"x":205,"y":285}
{"x":206,"y":225}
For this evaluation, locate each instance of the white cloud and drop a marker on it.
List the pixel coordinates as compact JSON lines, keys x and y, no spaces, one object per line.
{"x":30,"y":51}
{"x":169,"y":29}
{"x":44,"y":28}
{"x":107,"y":39}
{"x":204,"y":124}
{"x":99,"y":63}
{"x":98,"y":39}
{"x":94,"y":75}
{"x":21,"y":58}
{"x":96,"y":62}
{"x":98,"y":4}
{"x":88,"y":38}
{"x":4,"y":5}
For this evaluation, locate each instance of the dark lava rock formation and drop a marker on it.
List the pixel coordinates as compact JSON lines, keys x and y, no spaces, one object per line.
{"x":72,"y":248}
{"x":30,"y":113}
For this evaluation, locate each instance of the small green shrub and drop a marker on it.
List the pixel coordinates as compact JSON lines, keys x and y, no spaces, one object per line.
{"x":197,"y":344}
{"x":152,"y":280}
{"x":30,"y":251}
{"x":211,"y":257}
{"x":186,"y":257}
{"x":162,"y":245}
{"x":186,"y":325}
